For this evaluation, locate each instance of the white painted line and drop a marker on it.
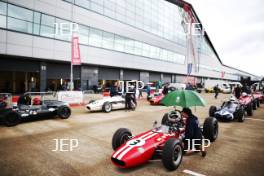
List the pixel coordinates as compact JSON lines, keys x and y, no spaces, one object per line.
{"x":192,"y":173}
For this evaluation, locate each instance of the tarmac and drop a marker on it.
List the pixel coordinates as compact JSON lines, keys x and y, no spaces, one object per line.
{"x":27,"y":149}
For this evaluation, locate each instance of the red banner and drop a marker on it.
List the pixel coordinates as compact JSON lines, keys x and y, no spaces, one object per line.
{"x":222,"y":75}
{"x":76,"y":56}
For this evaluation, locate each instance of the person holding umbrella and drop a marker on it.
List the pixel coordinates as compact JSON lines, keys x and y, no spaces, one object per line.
{"x":192,"y":130}
{"x":186,"y":99}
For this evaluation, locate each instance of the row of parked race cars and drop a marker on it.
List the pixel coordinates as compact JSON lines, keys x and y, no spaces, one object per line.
{"x":42,"y":107}
{"x":164,"y":142}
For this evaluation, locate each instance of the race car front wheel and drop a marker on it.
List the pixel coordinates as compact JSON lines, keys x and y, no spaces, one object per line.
{"x":212,"y":111}
{"x":250,"y":109}
{"x":107,"y":107}
{"x":121,"y":136}
{"x":210,"y":129}
{"x":172,"y":154}
{"x":241,"y":115}
{"x":64,"y":112}
{"x":12,"y":119}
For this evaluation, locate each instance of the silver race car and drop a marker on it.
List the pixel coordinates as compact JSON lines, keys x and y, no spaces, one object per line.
{"x":108,"y":104}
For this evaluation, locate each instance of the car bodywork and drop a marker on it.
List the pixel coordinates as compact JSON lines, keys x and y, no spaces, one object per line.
{"x":106,"y":104}
{"x":229,"y":111}
{"x":14,"y":114}
{"x":131,"y":151}
{"x":155,"y":100}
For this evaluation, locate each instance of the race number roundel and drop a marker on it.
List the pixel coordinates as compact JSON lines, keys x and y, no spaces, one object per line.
{"x":136,"y":142}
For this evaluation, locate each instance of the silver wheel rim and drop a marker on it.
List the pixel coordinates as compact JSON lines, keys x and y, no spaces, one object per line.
{"x":177,"y":155}
{"x":108,"y":107}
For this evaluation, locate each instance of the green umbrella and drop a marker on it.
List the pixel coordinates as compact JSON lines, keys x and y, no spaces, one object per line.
{"x":183,"y":98}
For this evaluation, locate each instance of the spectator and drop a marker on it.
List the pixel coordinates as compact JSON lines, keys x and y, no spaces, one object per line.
{"x":216,"y":90}
{"x":237,"y":91}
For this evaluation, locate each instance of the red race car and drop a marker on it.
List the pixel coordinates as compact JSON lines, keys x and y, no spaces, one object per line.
{"x":156,"y":99}
{"x":248,"y":102}
{"x":259,"y":98}
{"x":164,"y":142}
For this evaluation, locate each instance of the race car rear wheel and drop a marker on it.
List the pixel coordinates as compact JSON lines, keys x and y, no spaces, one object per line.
{"x":12,"y":118}
{"x":210,"y":129}
{"x":107,"y":107}
{"x":64,"y":112}
{"x":254,"y":105}
{"x":241,"y":115}
{"x":258,"y":103}
{"x":250,"y":109}
{"x":172,"y":154}
{"x":212,"y":111}
{"x":121,"y":136}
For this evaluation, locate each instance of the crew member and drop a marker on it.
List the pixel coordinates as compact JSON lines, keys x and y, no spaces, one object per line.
{"x":192,"y":130}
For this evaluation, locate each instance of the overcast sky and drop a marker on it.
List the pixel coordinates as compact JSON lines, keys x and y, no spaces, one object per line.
{"x":236,"y":29}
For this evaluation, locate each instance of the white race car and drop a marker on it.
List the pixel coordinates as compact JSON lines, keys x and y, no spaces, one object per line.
{"x":107,"y":104}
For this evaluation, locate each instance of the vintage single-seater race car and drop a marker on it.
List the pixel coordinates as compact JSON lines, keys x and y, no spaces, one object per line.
{"x":155,"y":100}
{"x":39,"y":106}
{"x":107,"y":104}
{"x":230,"y":110}
{"x":259,"y":98}
{"x":165,"y":142}
{"x":248,"y":102}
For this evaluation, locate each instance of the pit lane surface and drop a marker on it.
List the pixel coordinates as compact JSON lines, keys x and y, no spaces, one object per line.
{"x":26,"y":149}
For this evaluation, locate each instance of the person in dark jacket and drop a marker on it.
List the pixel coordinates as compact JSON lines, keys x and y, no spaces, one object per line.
{"x":165,"y":90}
{"x":216,"y":90}
{"x":237,"y":91}
{"x":192,"y":130}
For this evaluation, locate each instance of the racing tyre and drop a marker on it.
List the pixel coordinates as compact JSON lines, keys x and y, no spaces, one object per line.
{"x":212,"y":111}
{"x":121,"y":136}
{"x":165,"y":119}
{"x":254,"y":105}
{"x":64,"y":112}
{"x":107,"y":107}
{"x":250,"y":109}
{"x":12,"y":119}
{"x":258,"y":103}
{"x":210,"y":129}
{"x":241,"y":115}
{"x":172,"y":154}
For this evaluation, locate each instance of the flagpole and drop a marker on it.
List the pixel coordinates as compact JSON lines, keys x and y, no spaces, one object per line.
{"x":71,"y":76}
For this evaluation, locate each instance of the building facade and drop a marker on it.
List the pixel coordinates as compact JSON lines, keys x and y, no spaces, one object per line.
{"x":119,"y":40}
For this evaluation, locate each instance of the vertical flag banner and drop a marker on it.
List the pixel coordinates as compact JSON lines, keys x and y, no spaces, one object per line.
{"x":189,"y":68}
{"x":76,"y":56}
{"x":222,"y":75}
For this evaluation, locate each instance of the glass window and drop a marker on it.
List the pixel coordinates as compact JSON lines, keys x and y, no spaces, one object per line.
{"x":109,"y":5}
{"x":108,"y":40}
{"x":47,"y":31}
{"x":37,"y":17}
{"x":20,"y":13}
{"x":146,"y":50}
{"x":47,"y":20}
{"x":83,"y":3}
{"x":83,"y":34}
{"x":130,"y":46}
{"x":2,"y":21}
{"x":109,"y":13}
{"x":2,"y":8}
{"x":164,"y":55}
{"x":19,"y":25}
{"x":36,"y":28}
{"x":97,"y":8}
{"x":95,"y":37}
{"x":138,"y":48}
{"x":119,"y":43}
